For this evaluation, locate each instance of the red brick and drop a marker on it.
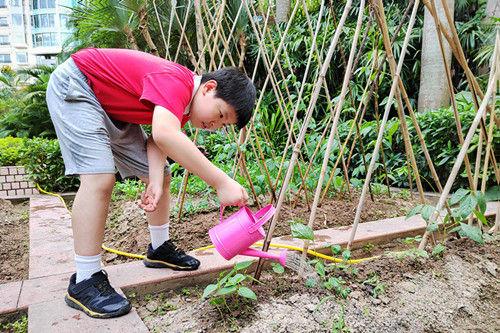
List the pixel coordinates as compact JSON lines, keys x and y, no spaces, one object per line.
{"x":4,"y":171}
{"x":13,"y":170}
{"x":24,"y":184}
{"x":19,"y":178}
{"x":6,"y":186}
{"x":19,"y":192}
{"x":15,"y":185}
{"x":21,"y":170}
{"x":10,"y":178}
{"x":28,"y":191}
{"x":2,"y":179}
{"x":11,"y":192}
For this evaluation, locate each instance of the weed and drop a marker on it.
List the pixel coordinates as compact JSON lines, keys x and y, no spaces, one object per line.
{"x":368,"y":247}
{"x":375,"y":285}
{"x":18,"y":326}
{"x":338,"y":323}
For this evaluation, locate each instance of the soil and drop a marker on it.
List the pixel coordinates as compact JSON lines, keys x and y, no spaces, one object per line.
{"x":126,"y":228}
{"x":14,"y":240}
{"x":458,"y":292}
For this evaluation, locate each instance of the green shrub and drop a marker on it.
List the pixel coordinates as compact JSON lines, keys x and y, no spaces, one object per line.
{"x":44,"y":164}
{"x":10,"y":150}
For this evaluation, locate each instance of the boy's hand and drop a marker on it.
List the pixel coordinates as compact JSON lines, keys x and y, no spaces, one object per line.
{"x":151,"y":197}
{"x":231,"y":193}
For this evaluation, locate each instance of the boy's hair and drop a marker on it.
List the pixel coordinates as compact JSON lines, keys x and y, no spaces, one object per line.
{"x":236,"y":89}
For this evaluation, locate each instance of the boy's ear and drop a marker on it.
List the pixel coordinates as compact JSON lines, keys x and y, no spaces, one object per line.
{"x":209,"y":86}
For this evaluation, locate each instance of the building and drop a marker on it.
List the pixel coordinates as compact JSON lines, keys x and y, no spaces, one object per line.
{"x":32,"y":32}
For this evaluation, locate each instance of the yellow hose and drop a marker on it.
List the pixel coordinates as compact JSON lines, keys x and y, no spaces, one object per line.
{"x":258,"y":244}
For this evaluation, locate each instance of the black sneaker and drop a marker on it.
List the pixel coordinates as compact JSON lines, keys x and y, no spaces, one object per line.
{"x":168,"y":255}
{"x":96,"y":297}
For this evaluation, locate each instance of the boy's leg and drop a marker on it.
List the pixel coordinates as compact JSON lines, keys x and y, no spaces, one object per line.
{"x":89,"y":212}
{"x":162,"y":253}
{"x":79,"y":121}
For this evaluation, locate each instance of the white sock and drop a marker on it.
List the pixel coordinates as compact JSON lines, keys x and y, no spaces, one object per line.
{"x":86,"y":266}
{"x":159,"y":235}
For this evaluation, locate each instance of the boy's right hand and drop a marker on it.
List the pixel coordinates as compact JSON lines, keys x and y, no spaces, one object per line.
{"x":231,"y":193}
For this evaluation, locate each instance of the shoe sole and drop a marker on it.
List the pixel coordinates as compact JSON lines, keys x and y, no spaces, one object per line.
{"x":161,"y":264}
{"x":75,"y":304}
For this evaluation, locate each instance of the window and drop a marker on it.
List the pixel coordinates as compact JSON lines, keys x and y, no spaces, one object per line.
{"x":22,"y":57}
{"x":17,"y":38}
{"x":64,"y":21}
{"x":43,"y":21}
{"x":15,"y":3}
{"x":4,"y":58}
{"x":17,"y":20}
{"x":44,"y":39}
{"x":3,"y":21}
{"x":3,"y":3}
{"x":41,"y":4}
{"x":4,"y":40}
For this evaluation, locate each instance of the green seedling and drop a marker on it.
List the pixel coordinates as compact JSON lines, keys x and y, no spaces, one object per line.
{"x":338,"y":324}
{"x":377,"y":287}
{"x":231,"y":285}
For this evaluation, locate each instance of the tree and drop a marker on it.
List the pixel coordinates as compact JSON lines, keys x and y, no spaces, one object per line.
{"x":434,"y":92}
{"x":282,"y":10}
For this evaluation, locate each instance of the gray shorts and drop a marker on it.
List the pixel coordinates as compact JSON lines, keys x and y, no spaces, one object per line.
{"x":90,"y":141}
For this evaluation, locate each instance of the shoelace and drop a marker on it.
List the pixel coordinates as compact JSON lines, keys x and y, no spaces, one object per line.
{"x":104,"y":287}
{"x":172,"y":248}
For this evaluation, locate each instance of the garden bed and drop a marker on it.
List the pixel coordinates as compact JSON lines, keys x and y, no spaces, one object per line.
{"x":455,"y":292}
{"x":127,"y":230}
{"x":14,"y":237}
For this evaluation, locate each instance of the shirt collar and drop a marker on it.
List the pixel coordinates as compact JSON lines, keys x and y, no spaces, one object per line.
{"x":196,"y":85}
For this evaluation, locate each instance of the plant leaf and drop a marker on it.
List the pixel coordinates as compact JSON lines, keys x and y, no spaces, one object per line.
{"x":471,"y":232}
{"x":238,"y":278}
{"x":414,"y":211}
{"x":242,"y":265}
{"x":427,"y":211}
{"x":310,"y":282}
{"x":226,"y":290}
{"x":277,"y":268}
{"x":438,"y":249}
{"x":467,"y":206}
{"x":302,"y":231}
{"x":346,"y":255}
{"x":320,"y":268}
{"x":480,"y":216}
{"x":432,"y":227}
{"x":458,"y":196}
{"x":247,"y":293}
{"x":492,"y":194}
{"x":209,"y":290}
{"x":481,"y":202}
{"x":336,"y":249}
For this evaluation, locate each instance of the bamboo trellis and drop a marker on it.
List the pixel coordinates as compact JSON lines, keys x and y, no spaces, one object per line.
{"x":221,"y":39}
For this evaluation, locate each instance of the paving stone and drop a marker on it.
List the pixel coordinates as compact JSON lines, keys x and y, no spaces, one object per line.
{"x":56,"y":316}
{"x":51,"y":241}
{"x":9,"y":295}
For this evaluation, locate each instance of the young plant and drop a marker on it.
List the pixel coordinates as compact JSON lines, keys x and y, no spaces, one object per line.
{"x":230,"y":285}
{"x":375,"y":286}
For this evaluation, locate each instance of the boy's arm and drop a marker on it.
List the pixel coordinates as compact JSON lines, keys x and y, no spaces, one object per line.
{"x":169,"y":138}
{"x":156,"y":162}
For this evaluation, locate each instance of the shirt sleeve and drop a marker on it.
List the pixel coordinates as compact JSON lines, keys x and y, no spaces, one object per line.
{"x":173,"y":92}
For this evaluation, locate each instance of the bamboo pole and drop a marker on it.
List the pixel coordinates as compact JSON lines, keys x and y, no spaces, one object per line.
{"x":378,"y":6}
{"x":300,"y":140}
{"x":333,"y":131}
{"x":494,"y":77}
{"x":161,"y":30}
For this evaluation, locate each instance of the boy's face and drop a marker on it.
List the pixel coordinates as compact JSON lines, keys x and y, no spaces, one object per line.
{"x":209,"y":112}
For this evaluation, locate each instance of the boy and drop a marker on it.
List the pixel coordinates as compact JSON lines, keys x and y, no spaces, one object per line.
{"x":97,"y":100}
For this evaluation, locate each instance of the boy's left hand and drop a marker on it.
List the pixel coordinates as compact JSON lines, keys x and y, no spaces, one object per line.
{"x":151,"y":197}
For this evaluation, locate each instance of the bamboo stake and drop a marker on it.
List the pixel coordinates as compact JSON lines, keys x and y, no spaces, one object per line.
{"x":494,"y":77}
{"x":377,"y":5}
{"x":488,"y":147}
{"x":300,"y":140}
{"x":199,"y":33}
{"x":333,"y":131}
{"x":161,"y":30}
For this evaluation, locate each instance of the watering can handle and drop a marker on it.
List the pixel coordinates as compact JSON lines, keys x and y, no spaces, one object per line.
{"x":262,"y":216}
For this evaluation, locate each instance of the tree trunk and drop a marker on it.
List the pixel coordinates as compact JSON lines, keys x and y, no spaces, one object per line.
{"x":143,"y":28}
{"x":434,"y":92}
{"x":493,"y":8}
{"x":282,"y":10}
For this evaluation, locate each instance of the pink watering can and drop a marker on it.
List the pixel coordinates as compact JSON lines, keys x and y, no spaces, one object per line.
{"x":238,"y":232}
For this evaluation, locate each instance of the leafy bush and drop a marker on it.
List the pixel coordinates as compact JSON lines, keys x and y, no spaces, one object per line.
{"x":10,"y":150}
{"x":44,"y":164}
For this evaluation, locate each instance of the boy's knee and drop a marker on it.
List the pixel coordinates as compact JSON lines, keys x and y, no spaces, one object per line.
{"x":103,"y":183}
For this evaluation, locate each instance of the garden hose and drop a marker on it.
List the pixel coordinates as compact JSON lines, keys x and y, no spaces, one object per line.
{"x":258,"y":244}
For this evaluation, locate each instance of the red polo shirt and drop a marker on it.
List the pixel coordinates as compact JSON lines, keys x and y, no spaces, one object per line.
{"x":129,"y":83}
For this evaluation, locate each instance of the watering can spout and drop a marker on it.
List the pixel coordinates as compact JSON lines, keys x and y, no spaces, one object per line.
{"x":281,"y":258}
